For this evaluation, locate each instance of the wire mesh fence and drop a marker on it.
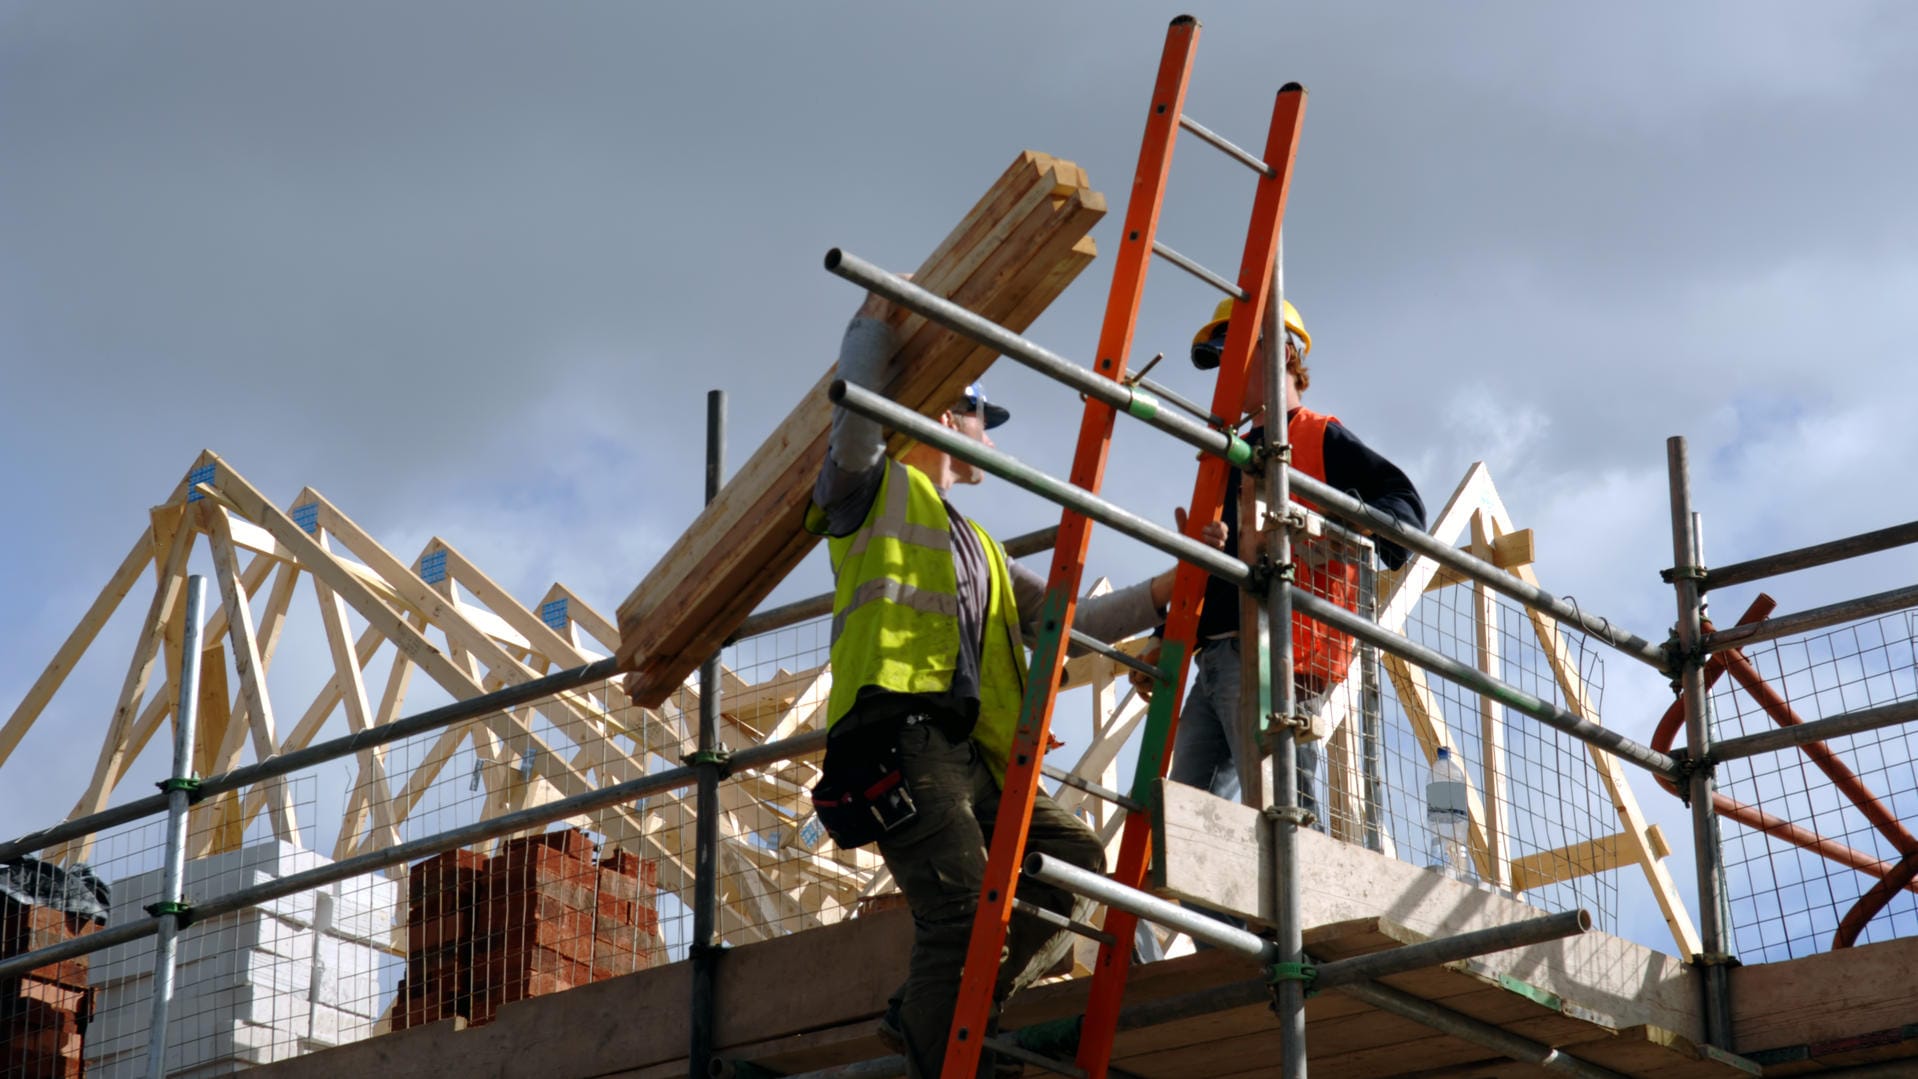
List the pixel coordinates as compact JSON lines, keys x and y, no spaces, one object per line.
{"x":462,"y":933}
{"x":1810,"y":831}
{"x":1541,"y":817}
{"x":91,"y":1014}
{"x":608,"y":892}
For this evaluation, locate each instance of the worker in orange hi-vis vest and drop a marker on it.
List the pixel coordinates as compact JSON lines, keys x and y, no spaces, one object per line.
{"x":1206,"y":750}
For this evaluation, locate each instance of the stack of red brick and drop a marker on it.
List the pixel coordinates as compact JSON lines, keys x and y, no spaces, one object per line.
{"x":43,"y":1015}
{"x":539,"y":917}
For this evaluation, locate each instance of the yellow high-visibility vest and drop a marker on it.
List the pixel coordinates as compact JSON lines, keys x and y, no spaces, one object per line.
{"x":895,"y":610}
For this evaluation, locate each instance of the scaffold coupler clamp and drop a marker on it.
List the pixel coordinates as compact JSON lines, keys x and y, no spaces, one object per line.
{"x":1262,"y":573}
{"x":718,"y":758}
{"x":1684,"y":573}
{"x":182,"y":783}
{"x":1297,"y":816}
{"x":1278,"y":974}
{"x":1688,"y":766}
{"x":182,"y":912}
{"x":1716,"y":959}
{"x":1281,"y":453}
{"x":1677,"y":658}
{"x":1296,"y":518}
{"x":1298,"y":721}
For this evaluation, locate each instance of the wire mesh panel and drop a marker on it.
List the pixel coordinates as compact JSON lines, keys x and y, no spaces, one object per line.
{"x":549,"y":907}
{"x":1542,"y":823}
{"x":1794,"y":886}
{"x":247,"y":987}
{"x":48,"y":1016}
{"x":778,"y":871}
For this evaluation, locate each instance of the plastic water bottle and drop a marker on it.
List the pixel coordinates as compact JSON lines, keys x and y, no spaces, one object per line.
{"x":1448,"y":816}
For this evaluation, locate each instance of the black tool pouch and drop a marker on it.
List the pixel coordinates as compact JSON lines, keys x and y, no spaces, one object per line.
{"x":862,"y":794}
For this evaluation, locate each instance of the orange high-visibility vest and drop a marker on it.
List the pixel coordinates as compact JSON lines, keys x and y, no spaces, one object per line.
{"x":1318,"y":649}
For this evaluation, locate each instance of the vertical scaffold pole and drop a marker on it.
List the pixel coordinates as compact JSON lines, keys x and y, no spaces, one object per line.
{"x":1688,"y":576}
{"x":1285,"y":816}
{"x":171,"y":910}
{"x":705,"y":948}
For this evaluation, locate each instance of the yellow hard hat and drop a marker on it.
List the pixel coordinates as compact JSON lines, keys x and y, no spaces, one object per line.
{"x":1223,"y":313}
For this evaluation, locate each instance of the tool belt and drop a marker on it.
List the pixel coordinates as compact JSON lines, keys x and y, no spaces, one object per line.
{"x":862,"y":794}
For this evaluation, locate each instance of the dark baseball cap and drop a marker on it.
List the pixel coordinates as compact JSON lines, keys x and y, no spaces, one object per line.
{"x":974,"y":400}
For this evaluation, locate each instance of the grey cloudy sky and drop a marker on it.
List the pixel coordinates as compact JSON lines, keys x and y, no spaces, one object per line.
{"x":468,"y":269}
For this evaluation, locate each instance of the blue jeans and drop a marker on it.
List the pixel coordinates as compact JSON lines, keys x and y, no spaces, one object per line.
{"x":1205,"y":752}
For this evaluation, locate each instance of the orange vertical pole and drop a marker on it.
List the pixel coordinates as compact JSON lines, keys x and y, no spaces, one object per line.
{"x":1255,"y":278}
{"x":1134,"y":256}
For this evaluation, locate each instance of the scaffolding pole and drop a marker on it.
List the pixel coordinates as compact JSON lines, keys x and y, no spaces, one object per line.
{"x":1271,"y":653}
{"x":1818,"y":730}
{"x":1687,"y":576}
{"x":287,"y":763}
{"x":1864,"y":543}
{"x":705,"y":950}
{"x":171,"y":912}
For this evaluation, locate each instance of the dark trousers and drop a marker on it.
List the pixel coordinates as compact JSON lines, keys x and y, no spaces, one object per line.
{"x":939,"y":860}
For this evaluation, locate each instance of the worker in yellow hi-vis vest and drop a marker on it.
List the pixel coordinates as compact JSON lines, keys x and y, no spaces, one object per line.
{"x":929,"y":664}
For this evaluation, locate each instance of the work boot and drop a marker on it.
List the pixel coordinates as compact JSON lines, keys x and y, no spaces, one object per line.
{"x":891,"y":1031}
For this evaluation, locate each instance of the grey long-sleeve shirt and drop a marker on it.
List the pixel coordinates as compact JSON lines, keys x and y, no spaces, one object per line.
{"x":849,"y":481}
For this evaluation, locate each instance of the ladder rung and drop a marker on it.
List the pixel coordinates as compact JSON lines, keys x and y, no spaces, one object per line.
{"x":1078,"y":782}
{"x":1243,"y":157}
{"x":1061,"y":921}
{"x":1007,"y":1047}
{"x":1199,"y":272}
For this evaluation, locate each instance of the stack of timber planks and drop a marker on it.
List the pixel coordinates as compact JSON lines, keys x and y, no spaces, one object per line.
{"x":1008,"y":259}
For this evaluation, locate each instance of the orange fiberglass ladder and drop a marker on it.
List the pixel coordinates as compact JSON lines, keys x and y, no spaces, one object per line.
{"x":1107,"y":390}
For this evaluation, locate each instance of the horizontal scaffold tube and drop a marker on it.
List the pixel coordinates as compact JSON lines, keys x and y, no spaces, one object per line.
{"x":1336,"y":502}
{"x":1120,"y":396}
{"x":1818,"y":730}
{"x":506,"y":824}
{"x":1007,"y":467}
{"x":1234,"y":449}
{"x":912,"y":424}
{"x":1864,"y":543}
{"x":287,"y":763}
{"x":1791,"y":625}
{"x":1477,"y":1031}
{"x":1102,"y":889}
{"x":1472,"y":678}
